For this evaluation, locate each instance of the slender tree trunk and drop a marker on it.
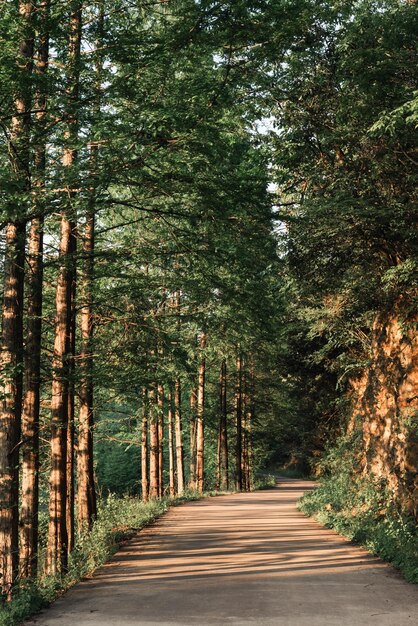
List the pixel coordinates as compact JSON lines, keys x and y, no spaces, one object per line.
{"x":69,"y":511}
{"x":160,"y":409}
{"x":31,"y":400}
{"x":154,"y":457}
{"x":238,"y":414}
{"x":11,"y":389}
{"x":11,"y":359}
{"x":56,"y":556}
{"x":144,"y":447}
{"x":223,"y":432}
{"x":57,"y":530}
{"x":31,"y":405}
{"x":179,"y":442}
{"x":172,"y":484}
{"x":193,"y":421}
{"x":86,"y":493}
{"x":200,"y":442}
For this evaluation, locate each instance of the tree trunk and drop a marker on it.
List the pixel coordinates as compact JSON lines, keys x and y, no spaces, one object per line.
{"x":12,"y":333}
{"x":154,"y":456}
{"x":160,"y":409}
{"x":200,"y":442}
{"x":238,"y":414}
{"x":31,"y":400}
{"x":144,"y":447}
{"x":223,"y":480}
{"x":192,"y":466}
{"x":11,"y":390}
{"x":56,"y":556}
{"x":172,"y":484}
{"x":69,"y":510}
{"x":86,"y":493}
{"x":179,"y":442}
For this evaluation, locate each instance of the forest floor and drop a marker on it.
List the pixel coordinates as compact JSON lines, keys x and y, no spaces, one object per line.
{"x":239,"y":559}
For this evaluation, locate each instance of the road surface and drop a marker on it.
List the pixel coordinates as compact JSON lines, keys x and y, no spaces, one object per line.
{"x":242,"y":559}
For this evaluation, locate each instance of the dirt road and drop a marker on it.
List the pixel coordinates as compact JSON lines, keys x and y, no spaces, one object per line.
{"x":241,"y":559}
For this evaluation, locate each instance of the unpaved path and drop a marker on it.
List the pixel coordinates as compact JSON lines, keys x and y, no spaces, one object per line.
{"x":240,"y":559}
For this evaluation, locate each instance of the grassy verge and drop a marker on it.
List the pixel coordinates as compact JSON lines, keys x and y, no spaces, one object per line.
{"x":364,"y":511}
{"x":118,"y":520}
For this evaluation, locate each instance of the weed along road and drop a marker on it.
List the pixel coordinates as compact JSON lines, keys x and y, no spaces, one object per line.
{"x":239,"y":559}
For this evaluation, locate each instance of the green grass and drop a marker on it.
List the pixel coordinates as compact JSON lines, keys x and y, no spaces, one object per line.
{"x":363,"y":510}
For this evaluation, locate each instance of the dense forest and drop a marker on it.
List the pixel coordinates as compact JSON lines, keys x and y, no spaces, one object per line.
{"x":209,"y":260}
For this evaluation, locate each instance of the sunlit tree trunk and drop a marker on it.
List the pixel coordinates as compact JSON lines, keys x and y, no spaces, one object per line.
{"x":238,"y":415}
{"x":11,"y":389}
{"x":160,"y":408}
{"x":200,"y":442}
{"x":223,"y":480}
{"x":11,"y":358}
{"x":192,"y":448}
{"x":86,"y":491}
{"x":56,"y":556}
{"x":144,"y":446}
{"x":172,"y":484}
{"x":86,"y":494}
{"x":179,"y":442}
{"x":31,"y":400}
{"x":69,"y":509}
{"x":153,"y":445}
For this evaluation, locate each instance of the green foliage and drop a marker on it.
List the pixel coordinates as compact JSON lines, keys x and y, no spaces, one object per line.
{"x":264,"y":481}
{"x":364,"y":510}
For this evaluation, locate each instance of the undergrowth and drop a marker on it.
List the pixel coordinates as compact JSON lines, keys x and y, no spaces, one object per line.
{"x":264,"y":481}
{"x":364,"y":510}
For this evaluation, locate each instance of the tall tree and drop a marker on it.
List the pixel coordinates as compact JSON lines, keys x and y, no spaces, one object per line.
{"x":238,"y":417}
{"x":31,"y":400}
{"x":57,"y":550}
{"x":223,"y":478}
{"x":12,"y":333}
{"x":200,"y":409}
{"x":179,"y":434}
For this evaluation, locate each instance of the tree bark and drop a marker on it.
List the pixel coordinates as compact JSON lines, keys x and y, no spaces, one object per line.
{"x":179,"y":442}
{"x":144,"y":447}
{"x":172,"y":484}
{"x":200,"y":441}
{"x":86,"y":493}
{"x":160,"y":410}
{"x":56,"y":556}
{"x":223,"y":479}
{"x":12,"y":334}
{"x":192,"y":465}
{"x":69,"y":510}
{"x":154,"y":457}
{"x":31,"y":400}
{"x":238,"y":414}
{"x":11,"y":391}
